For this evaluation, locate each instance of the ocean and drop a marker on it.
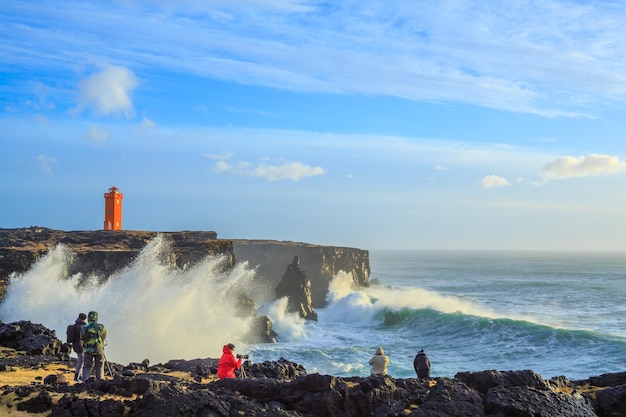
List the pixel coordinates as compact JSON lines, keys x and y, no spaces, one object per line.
{"x":557,"y":313}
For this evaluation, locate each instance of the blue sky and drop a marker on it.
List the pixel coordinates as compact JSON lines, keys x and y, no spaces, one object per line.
{"x":372,"y":124}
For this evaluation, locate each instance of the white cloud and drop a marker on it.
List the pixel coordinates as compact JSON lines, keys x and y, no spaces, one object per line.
{"x":97,"y":135}
{"x":293,"y":171}
{"x":583,"y":166}
{"x":222,"y":166}
{"x":46,"y":163}
{"x":108,"y":92}
{"x":289,"y":171}
{"x":494,"y":181}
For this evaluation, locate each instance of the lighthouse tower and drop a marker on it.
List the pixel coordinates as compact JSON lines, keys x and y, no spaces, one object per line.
{"x":113,"y":209}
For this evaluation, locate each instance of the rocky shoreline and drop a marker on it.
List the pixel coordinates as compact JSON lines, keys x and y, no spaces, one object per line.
{"x":36,"y":378}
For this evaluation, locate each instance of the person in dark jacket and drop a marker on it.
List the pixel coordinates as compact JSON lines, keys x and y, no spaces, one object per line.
{"x":77,"y":345}
{"x":422,"y":365}
{"x":93,"y":336}
{"x":227,"y":364}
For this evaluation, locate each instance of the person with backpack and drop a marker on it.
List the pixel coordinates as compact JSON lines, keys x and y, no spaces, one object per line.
{"x":73,"y":338}
{"x":93,"y":336}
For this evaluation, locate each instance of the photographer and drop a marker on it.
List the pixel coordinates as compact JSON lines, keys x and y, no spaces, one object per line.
{"x":227,"y":364}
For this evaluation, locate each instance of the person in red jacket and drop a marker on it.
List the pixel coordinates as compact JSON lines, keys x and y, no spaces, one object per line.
{"x":227,"y":364}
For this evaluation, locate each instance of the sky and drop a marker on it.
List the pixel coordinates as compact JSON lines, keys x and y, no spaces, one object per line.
{"x":370,"y":124}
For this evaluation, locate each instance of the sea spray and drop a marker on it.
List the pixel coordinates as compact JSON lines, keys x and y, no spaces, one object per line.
{"x":151,"y":309}
{"x":289,"y":326}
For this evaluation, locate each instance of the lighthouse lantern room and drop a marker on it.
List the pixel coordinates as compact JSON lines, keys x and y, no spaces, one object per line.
{"x":113,"y":209}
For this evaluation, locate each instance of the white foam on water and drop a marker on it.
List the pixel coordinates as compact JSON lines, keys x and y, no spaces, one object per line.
{"x":348,"y":303}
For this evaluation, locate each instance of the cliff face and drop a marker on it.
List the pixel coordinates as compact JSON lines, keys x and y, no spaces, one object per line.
{"x":102,"y":251}
{"x":321,"y":263}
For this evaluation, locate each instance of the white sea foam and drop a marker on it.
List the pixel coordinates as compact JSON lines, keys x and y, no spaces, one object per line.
{"x":347,"y":303}
{"x":289,"y":326}
{"x":150,"y":309}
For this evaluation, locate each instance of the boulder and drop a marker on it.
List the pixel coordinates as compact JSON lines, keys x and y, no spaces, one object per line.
{"x":34,"y":339}
{"x":612,"y":401}
{"x":521,"y":401}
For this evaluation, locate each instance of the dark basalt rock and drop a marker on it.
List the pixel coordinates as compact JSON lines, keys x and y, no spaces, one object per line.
{"x":611,"y":401}
{"x":485,"y":380}
{"x":297,"y":288}
{"x":39,"y":404}
{"x":103,"y":252}
{"x":530,"y":402}
{"x":34,"y":339}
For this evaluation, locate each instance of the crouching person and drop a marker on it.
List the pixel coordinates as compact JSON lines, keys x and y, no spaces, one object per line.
{"x":227,"y":364}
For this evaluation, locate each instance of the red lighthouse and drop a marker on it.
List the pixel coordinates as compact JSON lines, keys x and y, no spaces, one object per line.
{"x":113,"y":209}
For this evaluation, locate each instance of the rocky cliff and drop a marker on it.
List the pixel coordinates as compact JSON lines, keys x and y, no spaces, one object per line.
{"x":103,"y":252}
{"x":321,"y":263}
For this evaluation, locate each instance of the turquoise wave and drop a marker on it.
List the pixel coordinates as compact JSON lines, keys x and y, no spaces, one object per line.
{"x":483,"y":329}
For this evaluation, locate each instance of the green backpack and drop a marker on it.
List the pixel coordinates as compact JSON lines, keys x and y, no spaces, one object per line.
{"x":92,"y":338}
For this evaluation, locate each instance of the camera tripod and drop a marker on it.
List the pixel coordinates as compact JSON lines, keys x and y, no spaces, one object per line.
{"x":242,"y":372}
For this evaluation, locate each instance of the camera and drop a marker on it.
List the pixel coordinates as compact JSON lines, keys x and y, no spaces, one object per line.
{"x":243,"y":356}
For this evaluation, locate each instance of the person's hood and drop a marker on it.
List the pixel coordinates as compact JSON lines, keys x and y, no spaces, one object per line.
{"x":226,"y":349}
{"x":92,"y":317}
{"x":380,"y":351}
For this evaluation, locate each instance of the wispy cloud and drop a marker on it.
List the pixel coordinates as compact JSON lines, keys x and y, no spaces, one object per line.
{"x":46,"y":163}
{"x":505,"y":55}
{"x":582,"y":166}
{"x":107,"y":92}
{"x":97,"y":134}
